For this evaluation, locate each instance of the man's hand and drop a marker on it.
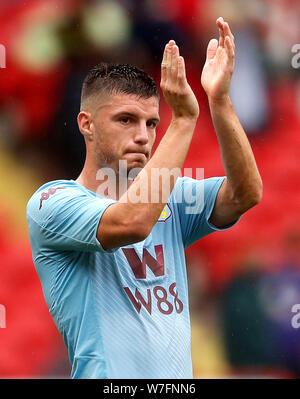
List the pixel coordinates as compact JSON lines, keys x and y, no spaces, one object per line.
{"x":219,"y":65}
{"x":174,"y":85}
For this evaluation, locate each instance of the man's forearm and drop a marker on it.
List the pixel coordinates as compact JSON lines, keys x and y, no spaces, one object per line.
{"x":170,"y":155}
{"x":238,"y":160}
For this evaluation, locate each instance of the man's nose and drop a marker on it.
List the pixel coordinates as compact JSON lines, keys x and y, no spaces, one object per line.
{"x":141,"y":135}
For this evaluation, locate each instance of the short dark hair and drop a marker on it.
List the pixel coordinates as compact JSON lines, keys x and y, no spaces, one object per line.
{"x":118,"y":78}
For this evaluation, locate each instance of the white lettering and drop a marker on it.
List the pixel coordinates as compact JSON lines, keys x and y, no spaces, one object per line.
{"x":296,"y":58}
{"x":2,"y":56}
{"x":296,"y":317}
{"x":2,"y":316}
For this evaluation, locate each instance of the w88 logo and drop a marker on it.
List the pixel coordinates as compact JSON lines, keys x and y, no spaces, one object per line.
{"x":166,"y":301}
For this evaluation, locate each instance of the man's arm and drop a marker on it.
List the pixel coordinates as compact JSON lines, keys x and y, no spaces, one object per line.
{"x":125,"y":222}
{"x":242,"y":189}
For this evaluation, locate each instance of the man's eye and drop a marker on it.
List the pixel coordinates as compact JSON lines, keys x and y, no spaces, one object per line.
{"x":151,"y":124}
{"x":124,"y":120}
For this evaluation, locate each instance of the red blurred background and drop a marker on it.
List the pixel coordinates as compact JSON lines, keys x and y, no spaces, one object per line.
{"x":243,"y":282}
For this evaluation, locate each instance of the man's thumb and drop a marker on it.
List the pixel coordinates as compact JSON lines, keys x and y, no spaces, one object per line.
{"x":211,"y":49}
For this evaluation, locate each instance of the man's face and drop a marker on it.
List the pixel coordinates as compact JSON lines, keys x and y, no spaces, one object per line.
{"x":125,"y":129}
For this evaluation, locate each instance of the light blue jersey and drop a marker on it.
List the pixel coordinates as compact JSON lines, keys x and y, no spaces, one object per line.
{"x":123,"y":313}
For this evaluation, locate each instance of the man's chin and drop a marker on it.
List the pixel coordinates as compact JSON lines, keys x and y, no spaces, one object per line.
{"x":132,"y":171}
{"x":134,"y":161}
{"x":133,"y":168}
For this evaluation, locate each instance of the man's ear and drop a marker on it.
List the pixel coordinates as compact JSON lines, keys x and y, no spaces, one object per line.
{"x":84,"y":120}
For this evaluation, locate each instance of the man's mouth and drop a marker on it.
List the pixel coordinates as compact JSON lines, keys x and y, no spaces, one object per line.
{"x":138,"y":152}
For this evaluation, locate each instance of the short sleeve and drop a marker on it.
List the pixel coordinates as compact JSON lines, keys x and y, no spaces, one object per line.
{"x":66,"y":217}
{"x":195,"y":200}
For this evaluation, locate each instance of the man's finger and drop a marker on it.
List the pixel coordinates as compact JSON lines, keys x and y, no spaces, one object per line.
{"x":230,"y":48}
{"x":181,"y":70}
{"x":169,"y":53}
{"x":228,"y":32}
{"x":174,"y":62}
{"x":164,"y":64}
{"x":211,"y":49}
{"x":220,"y":23}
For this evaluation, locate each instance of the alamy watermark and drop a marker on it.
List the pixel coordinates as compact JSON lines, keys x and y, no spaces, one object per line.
{"x":2,"y":316}
{"x":296,"y":318}
{"x":2,"y":56}
{"x":296,"y":58}
{"x":153,"y":186}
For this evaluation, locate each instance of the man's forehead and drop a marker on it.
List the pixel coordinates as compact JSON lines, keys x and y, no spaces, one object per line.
{"x":121,"y":102}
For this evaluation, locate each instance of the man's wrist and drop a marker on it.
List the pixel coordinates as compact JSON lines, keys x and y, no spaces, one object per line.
{"x":220,"y":101}
{"x":183,"y":121}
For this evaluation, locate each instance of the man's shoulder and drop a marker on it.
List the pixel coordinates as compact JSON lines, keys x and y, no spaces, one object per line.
{"x":51,"y":192}
{"x":55,"y":184}
{"x":70,"y":186}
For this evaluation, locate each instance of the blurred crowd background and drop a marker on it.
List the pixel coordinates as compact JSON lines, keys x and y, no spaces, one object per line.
{"x":243,"y":282}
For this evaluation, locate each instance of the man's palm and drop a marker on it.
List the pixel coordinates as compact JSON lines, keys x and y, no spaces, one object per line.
{"x":219,"y":65}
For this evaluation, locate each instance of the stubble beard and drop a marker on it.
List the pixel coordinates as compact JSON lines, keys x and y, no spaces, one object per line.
{"x":120,"y":166}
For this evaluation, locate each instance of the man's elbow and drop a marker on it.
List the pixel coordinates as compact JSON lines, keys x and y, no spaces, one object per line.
{"x":255,"y":199}
{"x":252,"y":197}
{"x":115,"y":232}
{"x":138,"y":229}
{"x":259,"y":193}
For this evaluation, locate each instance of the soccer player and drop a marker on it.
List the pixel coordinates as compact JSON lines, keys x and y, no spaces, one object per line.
{"x":112,"y":269}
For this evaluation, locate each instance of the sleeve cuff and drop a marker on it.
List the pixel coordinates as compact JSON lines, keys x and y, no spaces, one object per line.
{"x":215,"y":228}
{"x":98,"y":243}
{"x":212,"y":226}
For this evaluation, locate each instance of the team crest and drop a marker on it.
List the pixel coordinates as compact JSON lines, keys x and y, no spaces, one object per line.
{"x":166,"y":214}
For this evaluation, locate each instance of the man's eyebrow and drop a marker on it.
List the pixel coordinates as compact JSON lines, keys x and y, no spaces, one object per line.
{"x":133,"y":115}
